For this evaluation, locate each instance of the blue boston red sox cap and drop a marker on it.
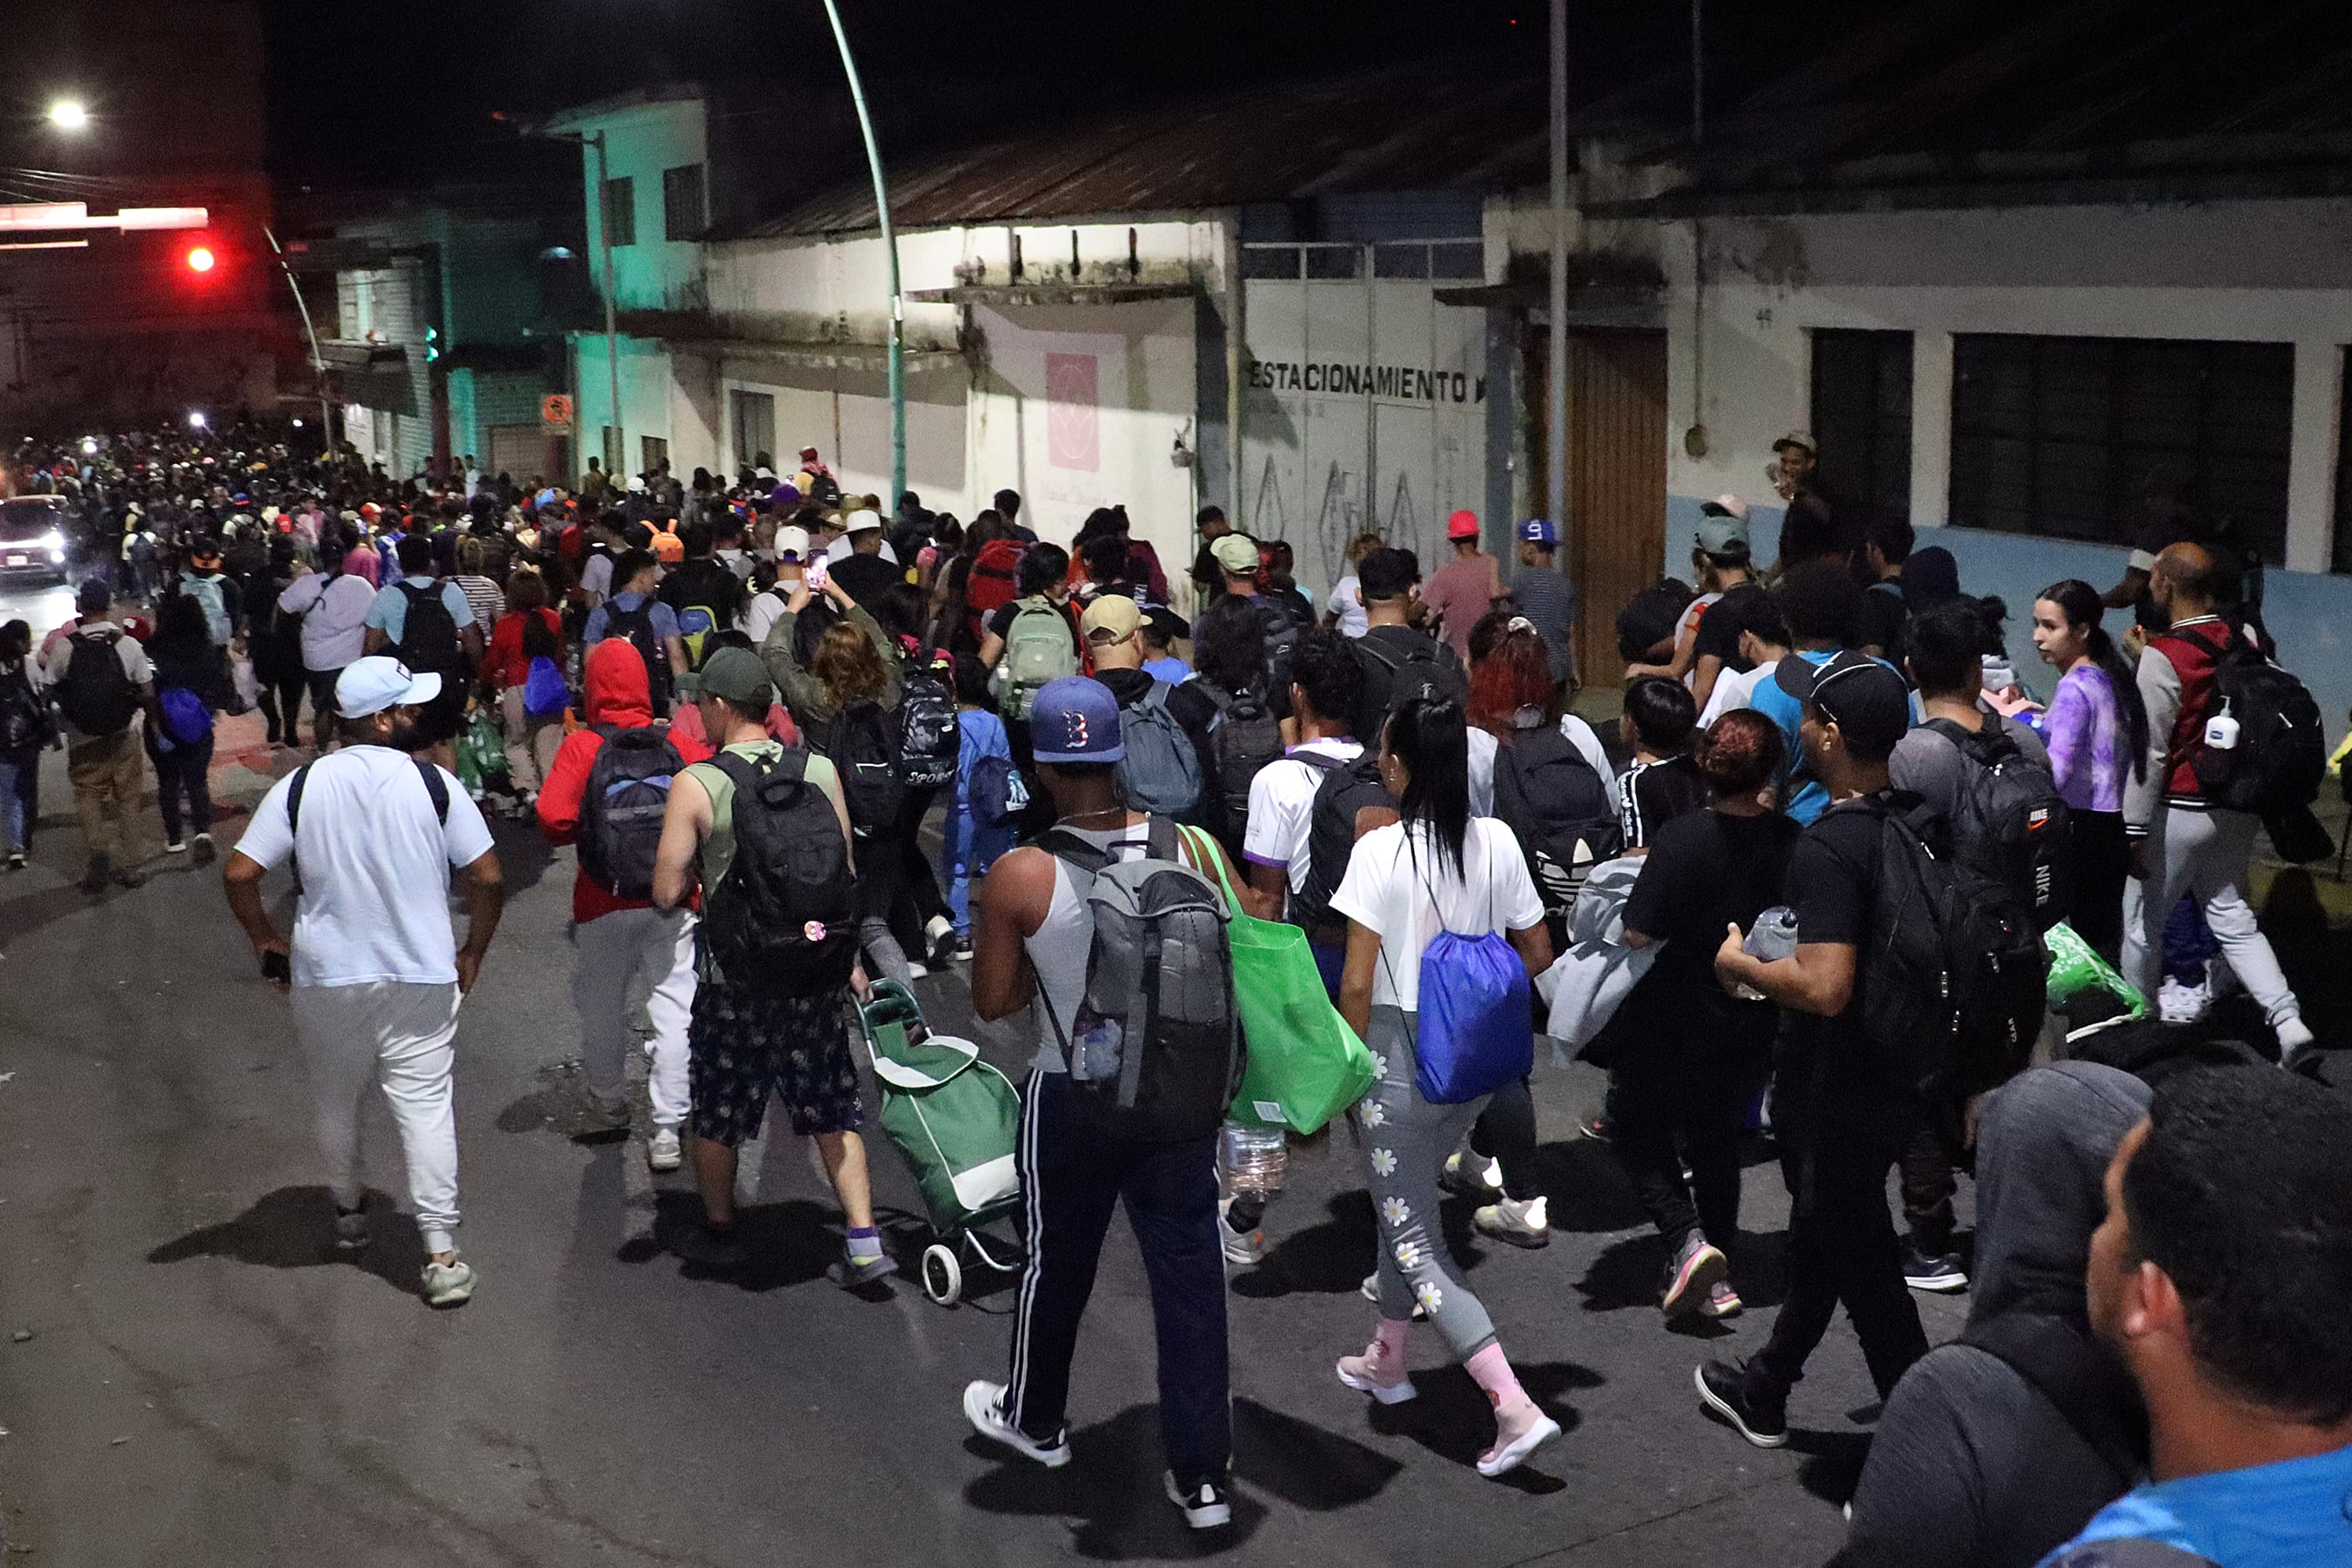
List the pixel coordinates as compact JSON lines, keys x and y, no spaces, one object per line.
{"x":1075,"y":719}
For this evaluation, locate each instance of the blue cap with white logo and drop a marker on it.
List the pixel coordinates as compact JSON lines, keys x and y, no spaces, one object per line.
{"x":1075,"y":719}
{"x":1539,"y":531}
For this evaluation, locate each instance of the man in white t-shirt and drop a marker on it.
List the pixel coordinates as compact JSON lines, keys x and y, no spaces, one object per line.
{"x":1763,"y":644}
{"x":376,"y":971}
{"x":1278,"y":841}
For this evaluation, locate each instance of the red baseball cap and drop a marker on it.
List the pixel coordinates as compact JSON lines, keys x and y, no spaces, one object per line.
{"x":1462,"y":524}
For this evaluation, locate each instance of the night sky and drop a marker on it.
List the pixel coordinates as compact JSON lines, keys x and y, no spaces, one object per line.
{"x":356,"y":102}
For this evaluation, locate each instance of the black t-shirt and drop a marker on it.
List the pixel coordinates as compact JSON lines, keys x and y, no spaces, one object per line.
{"x":1813,"y":528}
{"x":1208,"y":576}
{"x":1881,"y":620}
{"x":1705,"y":869}
{"x":1400,"y":645}
{"x":1651,"y":794}
{"x":706,"y":582}
{"x":865,"y":578}
{"x":1720,"y":625}
{"x":1833,"y":888}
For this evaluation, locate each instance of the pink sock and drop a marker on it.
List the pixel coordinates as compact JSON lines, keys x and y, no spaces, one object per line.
{"x":1494,"y":1374}
{"x":1389,"y":1334}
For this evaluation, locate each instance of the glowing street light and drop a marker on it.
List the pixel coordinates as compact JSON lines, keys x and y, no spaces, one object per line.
{"x":90,"y":446}
{"x":202,"y":259}
{"x":196,"y":420}
{"x":69,"y":114}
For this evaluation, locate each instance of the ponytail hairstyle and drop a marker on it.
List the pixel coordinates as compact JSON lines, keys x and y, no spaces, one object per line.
{"x":1739,"y":753}
{"x":2080,"y":602}
{"x":1430,"y":737}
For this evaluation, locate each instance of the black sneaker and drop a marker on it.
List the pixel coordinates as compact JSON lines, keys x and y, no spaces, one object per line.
{"x":1758,"y":1413}
{"x":1204,"y":1503}
{"x":706,"y":1247}
{"x":1596,"y":1127}
{"x":1937,"y":1271}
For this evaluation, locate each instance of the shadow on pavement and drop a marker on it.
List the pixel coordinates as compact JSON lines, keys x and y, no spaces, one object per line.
{"x":1111,"y":1488}
{"x":1452,"y":1418}
{"x":1832,"y":1466}
{"x":1323,"y":1259}
{"x":294,"y":1227}
{"x":1586,"y":1188}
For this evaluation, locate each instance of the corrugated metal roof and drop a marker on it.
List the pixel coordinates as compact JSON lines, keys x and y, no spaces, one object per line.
{"x":1400,"y":129}
{"x":1992,"y":90}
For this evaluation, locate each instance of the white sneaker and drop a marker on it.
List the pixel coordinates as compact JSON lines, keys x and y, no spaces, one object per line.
{"x":1244,"y":1248}
{"x":1205,"y":1505}
{"x":662,"y":1152}
{"x":983,"y":1406}
{"x":1504,"y":1458}
{"x":448,"y":1284}
{"x":176,"y":846}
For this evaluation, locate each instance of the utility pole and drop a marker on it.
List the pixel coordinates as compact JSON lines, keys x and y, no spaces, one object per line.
{"x":1555,"y":404}
{"x":890,"y":244}
{"x":318,"y":359}
{"x":618,"y":456}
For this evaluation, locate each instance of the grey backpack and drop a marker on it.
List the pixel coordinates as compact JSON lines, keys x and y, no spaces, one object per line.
{"x":1155,"y":1049}
{"x":1157,"y":770}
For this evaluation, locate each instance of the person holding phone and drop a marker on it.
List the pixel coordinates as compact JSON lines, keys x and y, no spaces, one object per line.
{"x":376,"y":975}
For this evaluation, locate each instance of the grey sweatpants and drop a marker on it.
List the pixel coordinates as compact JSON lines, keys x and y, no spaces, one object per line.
{"x":2204,"y":853}
{"x":1407,"y":1140}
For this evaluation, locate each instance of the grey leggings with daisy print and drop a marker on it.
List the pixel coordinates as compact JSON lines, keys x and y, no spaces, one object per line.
{"x":1406,"y":1140}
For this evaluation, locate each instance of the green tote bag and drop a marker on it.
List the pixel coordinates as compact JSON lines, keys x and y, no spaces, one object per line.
{"x":1306,"y":1065}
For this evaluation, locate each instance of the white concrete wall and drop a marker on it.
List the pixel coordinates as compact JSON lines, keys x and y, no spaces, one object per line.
{"x":641,"y":144}
{"x":2255,"y":271}
{"x":647,"y":401}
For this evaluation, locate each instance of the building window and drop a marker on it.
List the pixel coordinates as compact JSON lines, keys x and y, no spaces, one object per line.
{"x":2068,"y":437}
{"x":621,"y":211}
{"x":1862,"y":417}
{"x":655,"y":449}
{"x":682,"y":203}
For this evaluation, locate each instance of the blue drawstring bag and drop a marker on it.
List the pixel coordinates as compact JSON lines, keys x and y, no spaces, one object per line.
{"x":186,"y":719}
{"x":1473,"y":1029}
{"x":544,"y":694}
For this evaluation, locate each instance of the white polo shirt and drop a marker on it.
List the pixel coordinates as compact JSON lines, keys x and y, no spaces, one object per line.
{"x":1282,"y":806}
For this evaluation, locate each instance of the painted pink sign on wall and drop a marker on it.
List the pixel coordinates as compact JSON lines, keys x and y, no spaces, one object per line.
{"x":1073,"y":428}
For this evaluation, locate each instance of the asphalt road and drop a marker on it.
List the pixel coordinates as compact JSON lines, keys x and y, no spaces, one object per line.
{"x":191,"y":1375}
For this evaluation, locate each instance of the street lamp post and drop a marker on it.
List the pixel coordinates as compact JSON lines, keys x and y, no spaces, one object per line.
{"x":318,"y":359}
{"x":889,"y":245}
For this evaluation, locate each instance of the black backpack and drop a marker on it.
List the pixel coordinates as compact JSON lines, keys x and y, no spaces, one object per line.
{"x":782,"y":921}
{"x":428,"y":632}
{"x":1414,"y":667}
{"x":1553,"y":802}
{"x":97,"y":695}
{"x":1243,"y":737}
{"x":2011,"y":822}
{"x":863,"y":743}
{"x":1954,"y":978}
{"x":931,"y":743}
{"x":2280,"y":755}
{"x":637,"y":626}
{"x":1345,"y":789}
{"x":1283,"y":629}
{"x":621,"y":808}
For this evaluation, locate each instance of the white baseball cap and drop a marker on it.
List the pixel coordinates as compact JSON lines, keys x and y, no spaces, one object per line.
{"x":374,"y":684}
{"x":862,"y":521}
{"x":1731,"y":506}
{"x":793,"y":540}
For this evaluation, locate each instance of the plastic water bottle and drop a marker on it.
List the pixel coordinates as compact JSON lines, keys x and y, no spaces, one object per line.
{"x":1099,"y":1052}
{"x":1773,"y":936}
{"x":1255,"y":1158}
{"x":2221,"y":730}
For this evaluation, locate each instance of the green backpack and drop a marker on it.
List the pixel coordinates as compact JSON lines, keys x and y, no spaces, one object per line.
{"x":1037,"y":650}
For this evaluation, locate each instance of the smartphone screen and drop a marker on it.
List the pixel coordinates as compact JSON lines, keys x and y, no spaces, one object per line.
{"x":816,"y":574}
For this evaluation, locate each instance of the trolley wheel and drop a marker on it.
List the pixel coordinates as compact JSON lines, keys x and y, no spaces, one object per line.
{"x":942,"y":1274}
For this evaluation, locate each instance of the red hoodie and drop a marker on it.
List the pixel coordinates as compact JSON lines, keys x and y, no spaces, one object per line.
{"x":616,"y":695}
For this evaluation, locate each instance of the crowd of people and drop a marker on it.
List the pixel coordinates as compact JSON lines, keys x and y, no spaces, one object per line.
{"x":1812,"y":888}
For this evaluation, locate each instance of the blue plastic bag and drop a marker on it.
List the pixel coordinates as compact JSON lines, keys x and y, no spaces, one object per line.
{"x":544,"y":694}
{"x":1474,"y":1032}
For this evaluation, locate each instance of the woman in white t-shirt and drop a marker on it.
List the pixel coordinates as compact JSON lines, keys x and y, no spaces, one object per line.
{"x":1438,"y":869}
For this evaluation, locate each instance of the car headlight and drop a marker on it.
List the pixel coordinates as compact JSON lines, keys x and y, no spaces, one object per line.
{"x":53,"y":542}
